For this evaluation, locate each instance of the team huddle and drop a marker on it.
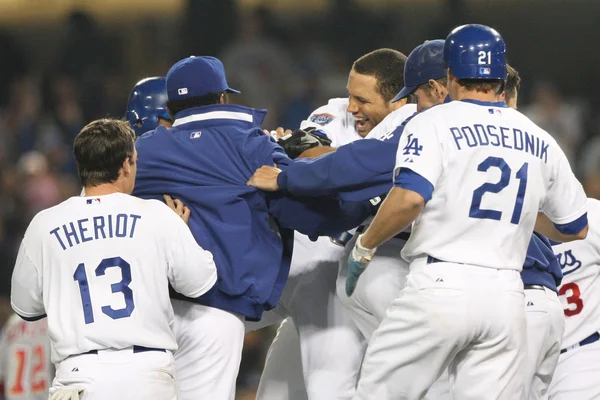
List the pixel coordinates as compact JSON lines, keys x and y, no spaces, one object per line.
{"x":420,"y":239}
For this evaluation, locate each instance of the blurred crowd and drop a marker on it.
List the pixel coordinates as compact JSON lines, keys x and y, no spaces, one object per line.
{"x":288,"y":69}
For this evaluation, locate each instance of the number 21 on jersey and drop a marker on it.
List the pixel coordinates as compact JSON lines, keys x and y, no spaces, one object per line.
{"x":506,"y":174}
{"x":120,"y":287}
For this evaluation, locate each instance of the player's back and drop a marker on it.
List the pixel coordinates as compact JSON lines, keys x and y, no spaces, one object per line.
{"x":580,"y":288}
{"x":104,"y":269}
{"x":25,"y":359}
{"x":492,"y":169}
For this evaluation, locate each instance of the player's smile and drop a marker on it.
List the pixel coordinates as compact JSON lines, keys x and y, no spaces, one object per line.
{"x":362,"y":124}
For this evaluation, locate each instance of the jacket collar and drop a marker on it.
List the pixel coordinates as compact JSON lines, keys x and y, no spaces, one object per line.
{"x":221,"y":113}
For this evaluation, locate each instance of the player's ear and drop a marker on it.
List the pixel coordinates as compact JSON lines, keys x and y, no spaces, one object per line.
{"x":126,"y":167}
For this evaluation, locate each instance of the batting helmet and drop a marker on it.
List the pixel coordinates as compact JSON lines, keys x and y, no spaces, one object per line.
{"x":475,"y":52}
{"x":146,"y":104}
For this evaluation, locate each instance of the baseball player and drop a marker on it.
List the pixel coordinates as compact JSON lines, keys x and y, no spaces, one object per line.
{"x":463,"y":301}
{"x":310,"y":297}
{"x":206,"y":159}
{"x":98,"y":266}
{"x":578,"y":364}
{"x":25,"y":367}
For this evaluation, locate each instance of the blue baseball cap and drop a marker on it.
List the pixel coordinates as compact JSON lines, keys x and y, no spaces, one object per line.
{"x":425,"y":62}
{"x":196,"y":76}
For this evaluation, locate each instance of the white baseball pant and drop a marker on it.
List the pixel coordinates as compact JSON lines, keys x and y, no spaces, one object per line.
{"x":577,"y":372}
{"x":331,"y":346}
{"x":210,"y":344}
{"x":545,"y":328}
{"x":468,"y":319}
{"x":119,"y":374}
{"x":283,"y":377}
{"x":377,"y":287}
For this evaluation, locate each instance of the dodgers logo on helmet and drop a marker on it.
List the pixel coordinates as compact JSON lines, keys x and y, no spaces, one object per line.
{"x":475,"y":52}
{"x":147,"y":103}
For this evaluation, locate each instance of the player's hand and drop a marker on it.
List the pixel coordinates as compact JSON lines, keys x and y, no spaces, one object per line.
{"x":177,"y":205}
{"x":265,"y":178}
{"x":300,"y":140}
{"x":280,"y":132}
{"x":357,"y":263}
{"x":67,"y":393}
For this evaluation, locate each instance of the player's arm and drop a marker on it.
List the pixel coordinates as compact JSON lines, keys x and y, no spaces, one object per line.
{"x":26,"y":286}
{"x":316,"y":152}
{"x":318,"y":216}
{"x":565,"y":208}
{"x":355,"y":167}
{"x":192,"y":270}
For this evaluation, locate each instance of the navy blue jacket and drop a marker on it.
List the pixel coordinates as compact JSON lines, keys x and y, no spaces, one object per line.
{"x":205,"y":160}
{"x":541,"y":265}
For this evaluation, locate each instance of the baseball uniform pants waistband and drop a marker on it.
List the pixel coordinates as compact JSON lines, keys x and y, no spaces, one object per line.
{"x":136,"y":349}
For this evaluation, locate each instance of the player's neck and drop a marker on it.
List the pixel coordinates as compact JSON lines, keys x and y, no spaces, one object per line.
{"x":489,"y":96}
{"x":103,"y":189}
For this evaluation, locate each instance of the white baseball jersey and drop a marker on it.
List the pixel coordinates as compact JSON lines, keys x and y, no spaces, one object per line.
{"x":99,"y":267}
{"x":25,"y":365}
{"x":491,"y":169}
{"x":332,"y":119}
{"x":580,"y":289}
{"x":391,"y":122}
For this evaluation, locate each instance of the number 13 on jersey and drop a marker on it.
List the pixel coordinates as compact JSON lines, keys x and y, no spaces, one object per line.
{"x":120,"y":287}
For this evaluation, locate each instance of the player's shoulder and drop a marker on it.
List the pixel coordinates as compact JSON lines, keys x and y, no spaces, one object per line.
{"x":392,"y":121}
{"x":49,"y":215}
{"x":335,"y":108}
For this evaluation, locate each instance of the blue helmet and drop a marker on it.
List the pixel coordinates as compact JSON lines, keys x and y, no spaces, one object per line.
{"x":475,"y":52}
{"x":423,"y":63}
{"x":147,"y":103}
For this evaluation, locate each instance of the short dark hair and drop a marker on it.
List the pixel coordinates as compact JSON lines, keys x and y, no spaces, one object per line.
{"x":480,"y":85}
{"x":513,"y":82}
{"x":100,"y":149}
{"x":175,"y":106}
{"x":387,"y":66}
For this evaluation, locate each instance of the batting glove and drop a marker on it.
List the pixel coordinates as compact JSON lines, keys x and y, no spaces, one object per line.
{"x":67,"y":393}
{"x":357,"y":263}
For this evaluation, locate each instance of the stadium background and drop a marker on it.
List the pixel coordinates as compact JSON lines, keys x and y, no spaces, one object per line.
{"x":66,"y":62}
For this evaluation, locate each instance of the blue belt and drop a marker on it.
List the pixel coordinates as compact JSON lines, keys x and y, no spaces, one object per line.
{"x":136,"y":349}
{"x":432,"y":260}
{"x":594,"y":337}
{"x":343,"y":238}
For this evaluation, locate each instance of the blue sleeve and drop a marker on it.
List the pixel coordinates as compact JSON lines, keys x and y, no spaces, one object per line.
{"x":318,"y":216}
{"x":353,"y":167}
{"x":410,"y":180}
{"x":574,"y":227}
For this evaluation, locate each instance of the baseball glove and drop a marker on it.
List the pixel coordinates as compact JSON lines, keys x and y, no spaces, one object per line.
{"x":301,"y":140}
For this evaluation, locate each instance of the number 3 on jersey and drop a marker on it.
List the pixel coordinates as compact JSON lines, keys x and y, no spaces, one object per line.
{"x":573,"y":298}
{"x":476,"y":212}
{"x":120,"y":287}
